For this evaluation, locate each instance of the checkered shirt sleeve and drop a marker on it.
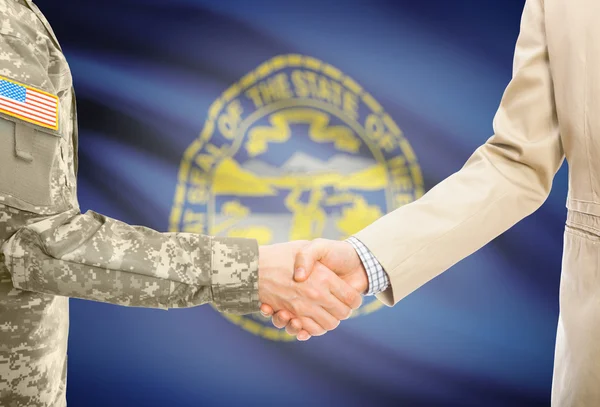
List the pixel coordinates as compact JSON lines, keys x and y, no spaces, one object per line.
{"x":378,"y":278}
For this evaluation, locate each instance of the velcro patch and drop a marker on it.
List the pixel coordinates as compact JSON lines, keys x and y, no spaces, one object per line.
{"x":28,"y":104}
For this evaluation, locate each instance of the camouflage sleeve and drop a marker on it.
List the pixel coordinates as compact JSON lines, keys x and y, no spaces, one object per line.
{"x":61,"y":251}
{"x":93,"y":257}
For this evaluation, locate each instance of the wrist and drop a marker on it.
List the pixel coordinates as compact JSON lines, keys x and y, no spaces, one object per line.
{"x":362,"y":280}
{"x":263,"y":282}
{"x":359,"y":278}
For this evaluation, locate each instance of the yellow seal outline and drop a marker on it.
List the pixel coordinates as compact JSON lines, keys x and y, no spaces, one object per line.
{"x":235,"y":90}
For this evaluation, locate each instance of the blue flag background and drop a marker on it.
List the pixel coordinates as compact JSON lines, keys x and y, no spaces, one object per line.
{"x":146,"y":73}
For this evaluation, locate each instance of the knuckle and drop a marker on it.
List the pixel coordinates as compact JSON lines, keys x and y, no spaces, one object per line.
{"x":312,"y":293}
{"x":305,"y":252}
{"x":301,"y":256}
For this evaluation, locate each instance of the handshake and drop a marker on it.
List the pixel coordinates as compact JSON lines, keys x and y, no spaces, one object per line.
{"x":309,"y":287}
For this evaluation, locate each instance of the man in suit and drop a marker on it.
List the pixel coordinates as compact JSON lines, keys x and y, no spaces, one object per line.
{"x":548,"y":111}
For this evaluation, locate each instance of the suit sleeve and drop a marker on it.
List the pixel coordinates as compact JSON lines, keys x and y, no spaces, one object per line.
{"x":505,"y":180}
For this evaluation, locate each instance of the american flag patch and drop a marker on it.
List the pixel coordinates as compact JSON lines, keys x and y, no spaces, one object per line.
{"x":29,"y":104}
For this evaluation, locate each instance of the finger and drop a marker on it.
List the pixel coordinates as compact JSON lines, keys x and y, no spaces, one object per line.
{"x":281,"y":319}
{"x":266,"y":310}
{"x":303,"y":336}
{"x":336,"y":291}
{"x":345,"y":293}
{"x":311,"y":327}
{"x":306,"y":258}
{"x":294,"y":327}
{"x":323,"y":318}
{"x":337,"y":309}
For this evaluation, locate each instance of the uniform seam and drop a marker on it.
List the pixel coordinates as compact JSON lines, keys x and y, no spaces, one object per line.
{"x":14,"y":37}
{"x":170,"y":292}
{"x":213,"y":291}
{"x":27,"y":202}
{"x":12,"y":264}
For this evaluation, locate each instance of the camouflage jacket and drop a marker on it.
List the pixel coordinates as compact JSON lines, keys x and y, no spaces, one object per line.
{"x":51,"y":251}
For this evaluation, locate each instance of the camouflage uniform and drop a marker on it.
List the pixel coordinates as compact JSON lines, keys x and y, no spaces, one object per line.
{"x":51,"y":251}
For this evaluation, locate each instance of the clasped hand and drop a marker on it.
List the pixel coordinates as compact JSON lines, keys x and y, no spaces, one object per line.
{"x":309,"y":287}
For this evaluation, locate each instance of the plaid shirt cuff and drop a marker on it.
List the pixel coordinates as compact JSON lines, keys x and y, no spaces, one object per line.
{"x":378,"y":278}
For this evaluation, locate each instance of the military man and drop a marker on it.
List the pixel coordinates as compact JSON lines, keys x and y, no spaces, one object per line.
{"x":51,"y":251}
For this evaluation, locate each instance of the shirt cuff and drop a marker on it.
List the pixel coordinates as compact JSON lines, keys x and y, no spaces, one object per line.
{"x":376,"y":275}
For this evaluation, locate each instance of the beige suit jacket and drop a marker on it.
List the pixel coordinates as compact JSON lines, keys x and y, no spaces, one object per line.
{"x":550,"y":109}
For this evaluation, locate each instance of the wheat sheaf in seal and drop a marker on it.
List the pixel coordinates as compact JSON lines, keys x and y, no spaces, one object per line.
{"x":294,"y":150}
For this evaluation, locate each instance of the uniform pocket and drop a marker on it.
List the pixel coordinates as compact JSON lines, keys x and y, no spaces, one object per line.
{"x":28,"y":156}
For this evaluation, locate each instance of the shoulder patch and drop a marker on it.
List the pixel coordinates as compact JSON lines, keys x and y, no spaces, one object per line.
{"x":29,"y":104}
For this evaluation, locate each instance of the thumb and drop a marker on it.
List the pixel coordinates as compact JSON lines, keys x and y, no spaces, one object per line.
{"x":306,"y":259}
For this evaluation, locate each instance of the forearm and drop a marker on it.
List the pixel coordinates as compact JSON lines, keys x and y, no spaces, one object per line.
{"x":452,"y":221}
{"x":94,"y":257}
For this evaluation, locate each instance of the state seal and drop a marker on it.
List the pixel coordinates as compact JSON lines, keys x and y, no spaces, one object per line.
{"x":294,"y":150}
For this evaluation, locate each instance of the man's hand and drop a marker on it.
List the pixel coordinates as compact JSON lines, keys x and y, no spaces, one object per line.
{"x":317,"y":303}
{"x":338,"y":256}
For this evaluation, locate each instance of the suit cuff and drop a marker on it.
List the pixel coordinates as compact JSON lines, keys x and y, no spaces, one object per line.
{"x":235,"y":275}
